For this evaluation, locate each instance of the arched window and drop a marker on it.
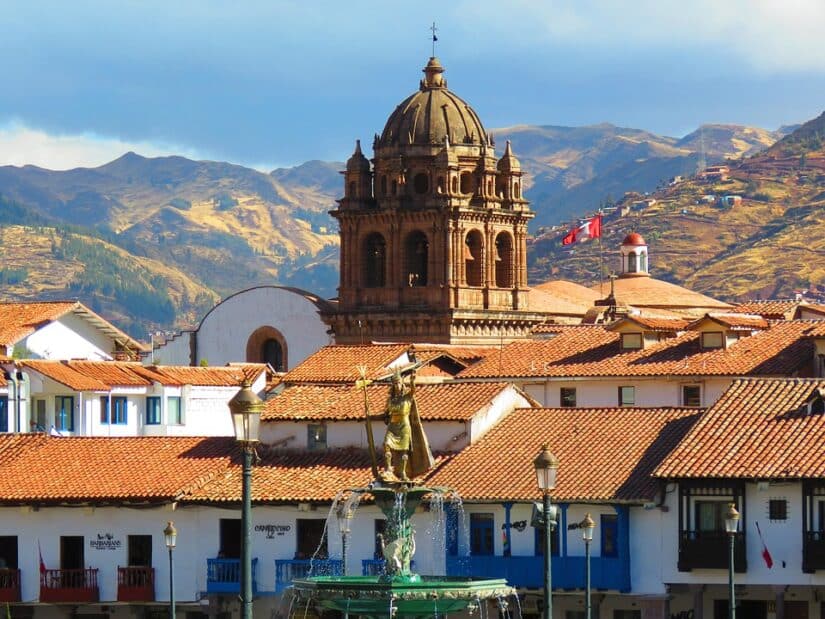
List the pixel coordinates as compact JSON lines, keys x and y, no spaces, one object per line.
{"x":374,"y":261}
{"x":473,"y":262}
{"x":467,"y":184}
{"x":643,"y":263}
{"x":267,"y":345}
{"x":454,"y":185}
{"x":516,"y":191}
{"x":504,"y":260}
{"x":421,"y":183}
{"x":417,"y":253}
{"x":631,"y":263}
{"x":440,"y":185}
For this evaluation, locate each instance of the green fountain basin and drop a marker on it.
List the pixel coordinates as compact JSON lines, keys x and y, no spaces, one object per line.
{"x":405,"y":596}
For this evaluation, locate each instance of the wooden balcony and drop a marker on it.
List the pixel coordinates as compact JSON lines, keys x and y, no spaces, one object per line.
{"x":224,"y":576}
{"x":135,"y":584}
{"x":286,"y":570}
{"x":813,"y":551}
{"x":710,"y":550}
{"x":69,"y":586}
{"x":9,"y":585}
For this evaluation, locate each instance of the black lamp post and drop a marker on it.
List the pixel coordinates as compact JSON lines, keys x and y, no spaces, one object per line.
{"x":546,"y":465}
{"x":587,"y":525}
{"x":731,"y":526}
{"x":344,"y":514}
{"x":246,"y":409}
{"x":170,"y":536}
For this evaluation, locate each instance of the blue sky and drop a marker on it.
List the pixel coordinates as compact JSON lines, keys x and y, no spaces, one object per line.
{"x":274,"y":83}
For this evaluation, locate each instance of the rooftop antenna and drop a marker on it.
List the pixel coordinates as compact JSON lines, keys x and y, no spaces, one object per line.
{"x":433,"y":29}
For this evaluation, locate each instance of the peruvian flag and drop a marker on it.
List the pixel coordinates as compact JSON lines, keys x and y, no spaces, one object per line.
{"x":590,"y":229}
{"x":766,"y":555}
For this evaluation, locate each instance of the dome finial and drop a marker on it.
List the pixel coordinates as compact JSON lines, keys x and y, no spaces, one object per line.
{"x":357,"y":148}
{"x":433,"y":75}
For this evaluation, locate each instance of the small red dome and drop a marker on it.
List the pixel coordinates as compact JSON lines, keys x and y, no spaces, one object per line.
{"x":634,"y":238}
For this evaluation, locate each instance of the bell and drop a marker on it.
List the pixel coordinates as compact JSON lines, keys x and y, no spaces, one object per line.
{"x":497,"y":253}
{"x":468,"y":255}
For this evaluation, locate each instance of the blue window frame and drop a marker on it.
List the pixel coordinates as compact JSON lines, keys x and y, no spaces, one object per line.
{"x":174,"y":413}
{"x":609,"y":530}
{"x":4,"y":414}
{"x":104,"y":409}
{"x":64,"y":413}
{"x":482,"y":534}
{"x":119,"y":410}
{"x":152,"y":410}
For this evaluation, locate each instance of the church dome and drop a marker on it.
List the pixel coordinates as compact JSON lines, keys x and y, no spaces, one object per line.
{"x":634,"y":238}
{"x":433,"y":115}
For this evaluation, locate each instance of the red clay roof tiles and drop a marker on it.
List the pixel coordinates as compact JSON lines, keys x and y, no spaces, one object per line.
{"x":781,"y":350}
{"x":758,"y":429}
{"x":19,"y":320}
{"x":49,"y":469}
{"x":605,"y":454}
{"x":438,"y":402}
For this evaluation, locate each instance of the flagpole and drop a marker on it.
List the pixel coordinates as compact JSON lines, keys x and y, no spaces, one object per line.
{"x":601,"y":258}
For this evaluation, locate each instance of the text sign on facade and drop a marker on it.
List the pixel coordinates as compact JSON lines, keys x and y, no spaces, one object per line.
{"x":105,"y":541}
{"x":271,"y":530}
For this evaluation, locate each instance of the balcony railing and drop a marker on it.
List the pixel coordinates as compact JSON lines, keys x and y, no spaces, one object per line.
{"x":287,"y":570}
{"x":611,"y":573}
{"x":224,"y":576}
{"x":135,"y":584}
{"x":813,"y":551}
{"x":710,"y":550}
{"x":9,"y":585}
{"x":78,"y":585}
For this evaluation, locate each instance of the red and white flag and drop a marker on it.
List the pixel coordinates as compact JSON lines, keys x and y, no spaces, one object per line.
{"x":766,"y":555}
{"x":590,"y":229}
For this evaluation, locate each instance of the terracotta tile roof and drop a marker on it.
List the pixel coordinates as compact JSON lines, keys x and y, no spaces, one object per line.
{"x":573,"y":294}
{"x":65,"y":375}
{"x":173,"y":375}
{"x":48,"y":469}
{"x":437,"y":402}
{"x":651,"y":292}
{"x":293,"y":475}
{"x":781,"y":350}
{"x":772,"y":309}
{"x":734,"y":322}
{"x":605,"y":454}
{"x":818,"y":330}
{"x":339,"y":363}
{"x":19,"y":320}
{"x":466,"y":354}
{"x":756,"y":430}
{"x":666,"y":325}
{"x":110,"y":373}
{"x":314,"y":476}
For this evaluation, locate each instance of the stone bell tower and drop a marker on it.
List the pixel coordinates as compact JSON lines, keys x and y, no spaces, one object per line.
{"x":433,"y":233}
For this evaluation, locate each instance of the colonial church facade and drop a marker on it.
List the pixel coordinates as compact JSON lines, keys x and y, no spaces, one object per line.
{"x":433,"y":230}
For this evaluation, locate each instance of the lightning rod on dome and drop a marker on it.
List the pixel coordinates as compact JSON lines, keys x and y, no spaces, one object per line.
{"x":433,"y":29}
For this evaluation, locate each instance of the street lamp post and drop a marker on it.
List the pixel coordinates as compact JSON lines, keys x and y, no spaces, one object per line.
{"x":246,"y":409}
{"x":587,"y":525}
{"x":170,"y":536}
{"x":731,"y":526}
{"x":344,"y":526}
{"x":546,"y":466}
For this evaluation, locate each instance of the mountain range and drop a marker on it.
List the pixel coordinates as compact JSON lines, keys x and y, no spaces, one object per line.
{"x":154,"y":242}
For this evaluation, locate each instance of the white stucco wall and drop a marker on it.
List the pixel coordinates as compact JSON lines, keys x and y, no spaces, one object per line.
{"x":650,"y":392}
{"x":70,"y":337}
{"x":223,"y":333}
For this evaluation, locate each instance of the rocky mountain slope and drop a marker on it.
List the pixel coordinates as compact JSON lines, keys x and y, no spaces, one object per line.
{"x":769,"y":244}
{"x":188,"y":232}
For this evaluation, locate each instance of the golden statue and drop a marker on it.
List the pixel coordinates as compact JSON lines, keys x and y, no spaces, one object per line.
{"x":406,"y":449}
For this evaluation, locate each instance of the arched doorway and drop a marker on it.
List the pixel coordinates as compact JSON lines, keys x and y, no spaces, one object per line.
{"x":267,"y":345}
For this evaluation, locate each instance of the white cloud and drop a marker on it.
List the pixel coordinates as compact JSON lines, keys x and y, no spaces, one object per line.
{"x":22,"y":145}
{"x":767,"y":35}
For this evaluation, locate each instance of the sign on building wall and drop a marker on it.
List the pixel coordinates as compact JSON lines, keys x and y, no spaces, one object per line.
{"x":105,"y":541}
{"x":271,"y":530}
